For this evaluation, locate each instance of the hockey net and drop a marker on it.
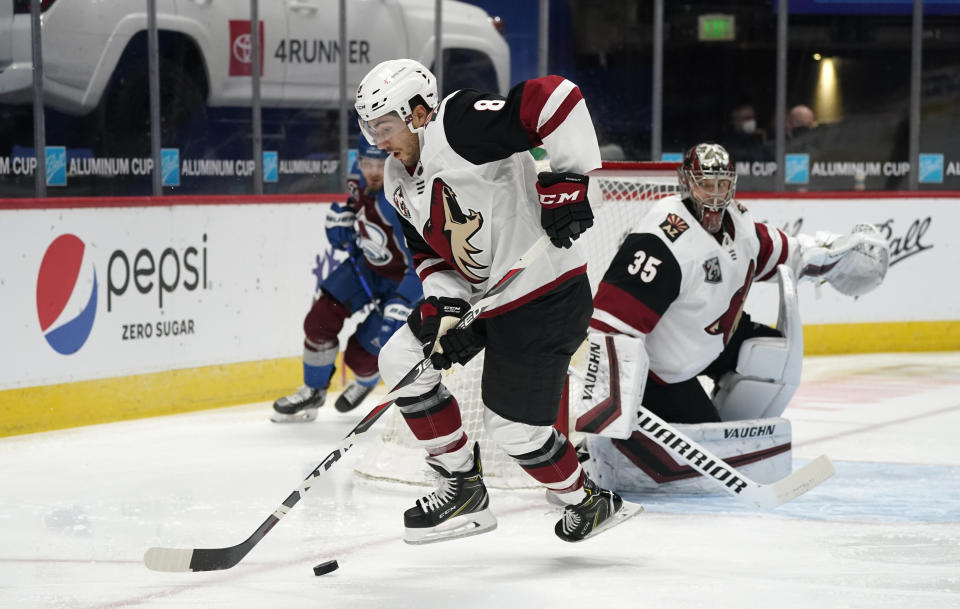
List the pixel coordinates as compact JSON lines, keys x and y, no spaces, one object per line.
{"x":620,"y":192}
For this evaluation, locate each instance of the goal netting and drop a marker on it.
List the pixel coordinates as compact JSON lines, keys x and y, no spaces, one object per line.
{"x":620,"y":193}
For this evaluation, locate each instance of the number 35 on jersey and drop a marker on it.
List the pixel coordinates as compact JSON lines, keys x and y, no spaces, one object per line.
{"x":644,"y":266}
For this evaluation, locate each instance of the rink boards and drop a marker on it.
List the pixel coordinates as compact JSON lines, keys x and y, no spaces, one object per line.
{"x":124,"y":308}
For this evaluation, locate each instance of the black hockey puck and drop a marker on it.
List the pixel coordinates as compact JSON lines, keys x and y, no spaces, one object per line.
{"x":326,"y":567}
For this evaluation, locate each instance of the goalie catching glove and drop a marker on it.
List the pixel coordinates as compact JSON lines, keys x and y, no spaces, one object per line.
{"x":853,"y":264}
{"x":443,"y":343}
{"x":564,"y":209}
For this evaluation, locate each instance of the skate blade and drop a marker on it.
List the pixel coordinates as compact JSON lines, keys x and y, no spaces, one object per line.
{"x":455,"y":528}
{"x":627,"y":511}
{"x":304,"y":416}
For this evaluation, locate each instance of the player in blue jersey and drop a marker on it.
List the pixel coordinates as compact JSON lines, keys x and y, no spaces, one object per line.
{"x":379,"y":270}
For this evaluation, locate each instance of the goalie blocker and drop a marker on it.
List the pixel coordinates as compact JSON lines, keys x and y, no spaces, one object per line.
{"x":610,"y":375}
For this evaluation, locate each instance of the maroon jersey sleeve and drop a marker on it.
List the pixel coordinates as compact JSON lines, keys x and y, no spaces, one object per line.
{"x":774,"y":250}
{"x":486,"y":127}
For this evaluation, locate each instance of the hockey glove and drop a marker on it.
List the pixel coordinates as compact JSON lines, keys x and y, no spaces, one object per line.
{"x":395,"y":314}
{"x":564,"y":209}
{"x":339,"y":226}
{"x":442,"y":342}
{"x":853,"y":264}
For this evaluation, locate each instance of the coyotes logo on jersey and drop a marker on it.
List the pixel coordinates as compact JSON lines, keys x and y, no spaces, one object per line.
{"x":674,"y":226}
{"x":449,"y":229}
{"x":728,"y":322}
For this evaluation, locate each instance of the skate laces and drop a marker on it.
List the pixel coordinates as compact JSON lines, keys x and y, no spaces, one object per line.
{"x":356,"y":390}
{"x":444,"y":492}
{"x":305,"y":393}
{"x":573,"y":514}
{"x":571,"y":519}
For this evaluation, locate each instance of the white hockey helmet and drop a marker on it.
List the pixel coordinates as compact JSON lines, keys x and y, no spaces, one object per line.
{"x":390,"y":87}
{"x":708,"y":178}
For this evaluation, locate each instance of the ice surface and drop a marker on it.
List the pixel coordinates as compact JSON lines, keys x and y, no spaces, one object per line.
{"x":79,"y":507}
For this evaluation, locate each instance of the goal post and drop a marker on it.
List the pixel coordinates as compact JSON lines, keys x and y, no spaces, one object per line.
{"x":620,"y":193}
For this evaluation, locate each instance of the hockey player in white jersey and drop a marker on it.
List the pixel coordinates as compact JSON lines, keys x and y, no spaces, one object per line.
{"x":675,"y":291}
{"x":464,"y":184}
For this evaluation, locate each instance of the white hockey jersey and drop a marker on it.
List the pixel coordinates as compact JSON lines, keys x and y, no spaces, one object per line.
{"x":470,"y":207}
{"x":684,"y":289}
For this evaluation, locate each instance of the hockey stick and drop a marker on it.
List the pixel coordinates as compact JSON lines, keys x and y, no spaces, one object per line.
{"x":352,"y":257}
{"x":196,"y":559}
{"x":766,"y":496}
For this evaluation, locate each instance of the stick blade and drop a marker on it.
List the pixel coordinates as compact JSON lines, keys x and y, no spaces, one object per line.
{"x":179,"y":560}
{"x":173,"y":560}
{"x":796,"y":484}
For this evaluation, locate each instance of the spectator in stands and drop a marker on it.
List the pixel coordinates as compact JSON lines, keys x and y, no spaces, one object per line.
{"x":799,"y":120}
{"x":743,"y":140}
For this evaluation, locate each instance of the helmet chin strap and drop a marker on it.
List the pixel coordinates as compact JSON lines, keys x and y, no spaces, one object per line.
{"x":704,"y":216}
{"x":419,"y":131}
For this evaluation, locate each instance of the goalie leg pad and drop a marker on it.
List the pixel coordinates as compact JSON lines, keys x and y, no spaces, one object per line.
{"x":768,"y":369}
{"x":760,"y":448}
{"x":611,"y":379}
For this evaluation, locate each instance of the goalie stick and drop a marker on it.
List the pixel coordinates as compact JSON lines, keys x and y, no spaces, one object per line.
{"x":199,"y":559}
{"x":766,"y":496}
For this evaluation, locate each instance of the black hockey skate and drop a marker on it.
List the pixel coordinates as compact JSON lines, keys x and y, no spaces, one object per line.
{"x":458,"y":508}
{"x":599,"y":511}
{"x":299,"y":407}
{"x":352,"y":396}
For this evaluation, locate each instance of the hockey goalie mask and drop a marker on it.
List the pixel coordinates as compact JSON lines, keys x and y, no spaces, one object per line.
{"x":709,"y":180}
{"x":385,"y":94}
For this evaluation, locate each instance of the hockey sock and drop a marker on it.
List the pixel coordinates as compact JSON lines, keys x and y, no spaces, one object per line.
{"x":318,"y":361}
{"x":554,"y":464}
{"x":368,"y":381}
{"x":434,"y":419}
{"x":572,"y":497}
{"x":458,"y":458}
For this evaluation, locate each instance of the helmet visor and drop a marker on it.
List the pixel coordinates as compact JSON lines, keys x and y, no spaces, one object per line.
{"x":383,"y":128}
{"x":713,"y":190}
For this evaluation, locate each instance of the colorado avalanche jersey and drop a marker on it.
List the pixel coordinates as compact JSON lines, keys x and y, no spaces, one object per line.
{"x":379,"y":232}
{"x":682,"y":288}
{"x":470,"y":206}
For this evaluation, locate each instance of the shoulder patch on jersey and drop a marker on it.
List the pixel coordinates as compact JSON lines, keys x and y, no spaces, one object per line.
{"x":711,"y":270}
{"x":740,"y":207}
{"x":673,"y":226}
{"x":400,"y":202}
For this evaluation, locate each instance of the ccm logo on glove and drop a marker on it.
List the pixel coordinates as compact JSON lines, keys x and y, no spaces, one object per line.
{"x":564,"y":209}
{"x":563,"y":193}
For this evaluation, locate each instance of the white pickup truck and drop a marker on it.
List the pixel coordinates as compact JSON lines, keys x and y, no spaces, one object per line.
{"x":94,"y":53}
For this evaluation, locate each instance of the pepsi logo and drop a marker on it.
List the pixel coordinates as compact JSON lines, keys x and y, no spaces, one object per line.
{"x":66,"y":294}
